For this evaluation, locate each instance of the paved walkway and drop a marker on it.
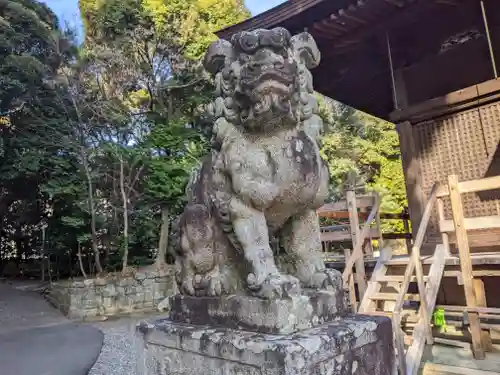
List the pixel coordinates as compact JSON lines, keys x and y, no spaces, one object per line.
{"x":36,"y":339}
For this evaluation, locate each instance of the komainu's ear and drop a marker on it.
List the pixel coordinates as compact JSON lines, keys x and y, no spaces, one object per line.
{"x":216,"y":55}
{"x":306,"y":50}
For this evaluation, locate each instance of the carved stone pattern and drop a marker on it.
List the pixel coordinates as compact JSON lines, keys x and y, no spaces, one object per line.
{"x":264,"y":177}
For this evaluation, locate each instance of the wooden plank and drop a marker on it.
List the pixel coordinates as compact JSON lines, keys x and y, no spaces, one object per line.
{"x":415,"y":264}
{"x":398,"y":236}
{"x":399,"y":279}
{"x":475,"y":273}
{"x":391,"y":216}
{"x":352,"y":289}
{"x":408,"y":241}
{"x":399,"y":337}
{"x":412,"y":168}
{"x":481,"y":302}
{"x":356,"y":238}
{"x":473,"y":186}
{"x":444,"y":235}
{"x":416,"y":350}
{"x":484,"y":184}
{"x":335,"y":214}
{"x":362,"y":202}
{"x":481,"y":310}
{"x":468,"y":94}
{"x":358,"y":249}
{"x":465,"y":263}
{"x":373,"y":286}
{"x":344,"y":236}
{"x":473,"y":223}
{"x":394,"y":297}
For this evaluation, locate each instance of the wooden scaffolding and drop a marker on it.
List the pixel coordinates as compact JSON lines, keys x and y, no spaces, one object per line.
{"x":388,"y":290}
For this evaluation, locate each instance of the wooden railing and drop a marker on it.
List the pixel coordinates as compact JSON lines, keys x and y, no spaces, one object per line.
{"x":414,"y":265}
{"x":473,"y":288}
{"x":474,"y":292}
{"x":357,"y":254}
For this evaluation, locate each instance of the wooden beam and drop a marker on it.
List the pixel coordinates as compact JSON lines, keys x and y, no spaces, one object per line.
{"x":393,"y":19}
{"x":481,"y":302}
{"x":473,"y":186}
{"x":352,"y":289}
{"x":465,"y":264}
{"x":412,"y":169}
{"x":358,"y":249}
{"x":414,"y":353}
{"x":345,"y":236}
{"x":356,"y":238}
{"x":444,"y":235}
{"x":362,"y":202}
{"x":473,"y":223}
{"x":415,"y":254}
{"x":447,"y":102}
{"x":374,"y":287}
{"x":461,"y":309}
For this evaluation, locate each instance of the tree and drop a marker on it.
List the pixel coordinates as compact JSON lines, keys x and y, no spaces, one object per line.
{"x":360,"y":143}
{"x":31,"y":52}
{"x":151,"y":51}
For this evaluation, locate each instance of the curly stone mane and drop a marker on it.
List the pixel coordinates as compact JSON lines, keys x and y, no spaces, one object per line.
{"x":227,"y":61}
{"x":264,"y":176}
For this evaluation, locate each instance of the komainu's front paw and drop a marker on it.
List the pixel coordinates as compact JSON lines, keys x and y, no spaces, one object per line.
{"x":328,"y":279}
{"x":276,"y":285}
{"x":208,"y":285}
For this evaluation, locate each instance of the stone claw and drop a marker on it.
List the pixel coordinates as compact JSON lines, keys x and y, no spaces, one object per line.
{"x":276,"y":286}
{"x":328,"y":279}
{"x":187,"y":286}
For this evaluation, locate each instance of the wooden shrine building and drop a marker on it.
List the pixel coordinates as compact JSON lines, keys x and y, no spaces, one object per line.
{"x":429,"y":66}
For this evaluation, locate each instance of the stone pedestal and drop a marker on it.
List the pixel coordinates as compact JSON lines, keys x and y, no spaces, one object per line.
{"x":307,"y":335}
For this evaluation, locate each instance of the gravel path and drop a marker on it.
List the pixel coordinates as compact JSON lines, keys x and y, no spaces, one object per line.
{"x":119,"y":353}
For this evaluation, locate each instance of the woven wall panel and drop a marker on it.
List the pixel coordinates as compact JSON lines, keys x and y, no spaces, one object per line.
{"x":464,"y":144}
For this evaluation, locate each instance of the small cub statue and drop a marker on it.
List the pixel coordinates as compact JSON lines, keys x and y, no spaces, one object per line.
{"x":264,"y":177}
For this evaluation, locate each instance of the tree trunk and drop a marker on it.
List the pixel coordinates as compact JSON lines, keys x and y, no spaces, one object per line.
{"x":83,"y":155}
{"x":125,"y":217}
{"x":82,"y":269}
{"x":163,"y":243}
{"x":93,"y":228}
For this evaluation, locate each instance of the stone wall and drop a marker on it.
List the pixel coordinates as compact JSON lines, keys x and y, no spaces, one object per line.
{"x":113,"y":294}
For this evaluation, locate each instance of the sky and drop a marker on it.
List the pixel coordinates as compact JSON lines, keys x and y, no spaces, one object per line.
{"x":68,"y":13}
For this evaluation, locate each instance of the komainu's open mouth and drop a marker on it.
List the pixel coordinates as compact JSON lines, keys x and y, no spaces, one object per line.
{"x":272,"y":86}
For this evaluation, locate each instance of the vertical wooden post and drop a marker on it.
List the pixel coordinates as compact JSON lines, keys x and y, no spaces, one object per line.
{"x":356,"y":237}
{"x":465,"y":264}
{"x":444,"y":235}
{"x":401,"y":93}
{"x":379,"y":229}
{"x":406,"y":223}
{"x":413,"y":175}
{"x":399,"y":342}
{"x":481,"y":302}
{"x":352,"y":289}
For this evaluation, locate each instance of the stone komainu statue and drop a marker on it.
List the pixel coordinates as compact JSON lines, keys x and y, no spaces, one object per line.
{"x":264,"y":176}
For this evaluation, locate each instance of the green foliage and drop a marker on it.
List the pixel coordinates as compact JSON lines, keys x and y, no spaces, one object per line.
{"x":355,"y":141}
{"x":95,"y":142}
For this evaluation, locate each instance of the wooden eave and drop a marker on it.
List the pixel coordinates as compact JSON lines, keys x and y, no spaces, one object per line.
{"x":351,"y":35}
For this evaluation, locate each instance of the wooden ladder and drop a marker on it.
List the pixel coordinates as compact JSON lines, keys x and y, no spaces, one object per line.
{"x":411,"y":324}
{"x":390,"y":290}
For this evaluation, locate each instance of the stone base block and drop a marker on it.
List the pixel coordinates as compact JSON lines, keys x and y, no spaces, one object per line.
{"x":356,"y":345}
{"x":279,"y":316}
